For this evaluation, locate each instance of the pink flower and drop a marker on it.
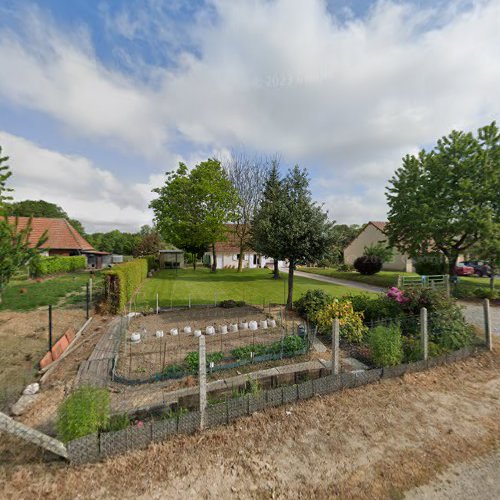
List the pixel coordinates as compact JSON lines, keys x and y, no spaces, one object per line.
{"x":140,"y":424}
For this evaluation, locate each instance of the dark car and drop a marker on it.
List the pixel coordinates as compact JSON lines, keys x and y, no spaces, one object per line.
{"x":481,"y":268}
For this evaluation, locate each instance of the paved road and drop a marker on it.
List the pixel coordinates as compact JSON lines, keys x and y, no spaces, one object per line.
{"x":335,"y":281}
{"x":474,"y":314}
{"x":479,"y":479}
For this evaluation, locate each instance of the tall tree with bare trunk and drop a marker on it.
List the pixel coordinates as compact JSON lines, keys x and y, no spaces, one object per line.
{"x":248,"y":175}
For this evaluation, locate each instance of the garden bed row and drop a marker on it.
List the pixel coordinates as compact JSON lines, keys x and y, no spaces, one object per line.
{"x":106,"y":444}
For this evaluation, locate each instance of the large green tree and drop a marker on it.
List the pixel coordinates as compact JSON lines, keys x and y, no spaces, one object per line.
{"x":194,"y":206}
{"x":299,"y":228}
{"x":265,"y":238}
{"x":41,"y":208}
{"x":447,"y":199}
{"x":15,"y":249}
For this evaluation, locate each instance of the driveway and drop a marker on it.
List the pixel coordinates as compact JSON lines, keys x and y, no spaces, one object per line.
{"x":335,"y":281}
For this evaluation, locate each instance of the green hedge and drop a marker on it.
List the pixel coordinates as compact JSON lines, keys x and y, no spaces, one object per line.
{"x":122,"y":281}
{"x":57,"y":264}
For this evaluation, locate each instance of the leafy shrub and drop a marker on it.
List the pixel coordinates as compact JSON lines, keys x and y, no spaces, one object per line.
{"x":485,"y":293}
{"x":293,"y":344}
{"x":368,"y":265}
{"x":84,"y":412}
{"x":430,"y":264}
{"x":386,"y":345}
{"x":380,"y":251}
{"x":43,"y":266}
{"x":351,"y":322}
{"x":448,"y":329}
{"x":413,"y":351}
{"x":117,"y":423}
{"x":171,"y":413}
{"x":192,"y":359}
{"x":374,"y":309}
{"x":312,"y":302}
{"x":122,"y":281}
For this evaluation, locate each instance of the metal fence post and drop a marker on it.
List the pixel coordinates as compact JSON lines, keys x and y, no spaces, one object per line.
{"x":50,"y":328}
{"x":487,"y":325}
{"x":424,"y":336}
{"x":157,"y":304}
{"x":88,"y":300}
{"x":202,"y":377}
{"x":91,"y":287}
{"x":335,"y":346}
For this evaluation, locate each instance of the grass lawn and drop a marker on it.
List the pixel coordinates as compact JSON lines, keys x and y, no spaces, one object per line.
{"x":254,"y":286}
{"x":26,"y":295}
{"x":386,"y":279}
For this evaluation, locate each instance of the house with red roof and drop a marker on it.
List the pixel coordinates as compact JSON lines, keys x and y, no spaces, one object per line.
{"x":62,"y":239}
{"x":371,"y":234}
{"x":228,"y":251}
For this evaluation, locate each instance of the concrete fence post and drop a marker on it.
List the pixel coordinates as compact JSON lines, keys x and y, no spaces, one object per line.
{"x":447,"y":284}
{"x":335,"y":347}
{"x":487,"y":325}
{"x":424,"y":335}
{"x":202,"y":377}
{"x":399,"y":281}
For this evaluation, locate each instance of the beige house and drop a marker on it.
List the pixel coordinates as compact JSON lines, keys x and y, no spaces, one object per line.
{"x":372,"y":234}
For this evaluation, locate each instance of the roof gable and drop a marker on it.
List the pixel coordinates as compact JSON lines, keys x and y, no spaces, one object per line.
{"x":60,"y":233}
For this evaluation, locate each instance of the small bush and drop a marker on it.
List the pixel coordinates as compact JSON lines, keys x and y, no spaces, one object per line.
{"x":345,"y":268}
{"x":430,"y":264}
{"x":485,"y":293}
{"x":117,"y":423}
{"x":413,"y":352}
{"x":386,"y":345}
{"x":43,"y":266}
{"x":84,"y":412}
{"x":351,"y":322}
{"x":368,"y":265}
{"x":448,"y":329}
{"x":374,"y":309}
{"x":312,"y":302}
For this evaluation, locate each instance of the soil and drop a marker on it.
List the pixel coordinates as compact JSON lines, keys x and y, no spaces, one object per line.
{"x":23,"y":343}
{"x":148,"y":357}
{"x":375,"y":441}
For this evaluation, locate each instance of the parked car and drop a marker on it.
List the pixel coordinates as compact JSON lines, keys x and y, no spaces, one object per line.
{"x":462,"y":270}
{"x":481,"y":268}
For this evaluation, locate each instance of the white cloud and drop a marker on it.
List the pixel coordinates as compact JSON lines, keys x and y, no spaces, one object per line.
{"x":349,"y":99}
{"x":90,"y":194}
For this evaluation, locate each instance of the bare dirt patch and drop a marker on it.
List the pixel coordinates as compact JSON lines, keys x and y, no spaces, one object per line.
{"x":372,"y":442}
{"x":24,"y":341}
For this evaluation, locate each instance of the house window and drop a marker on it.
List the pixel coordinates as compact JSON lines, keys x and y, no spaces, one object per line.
{"x":236,"y":256}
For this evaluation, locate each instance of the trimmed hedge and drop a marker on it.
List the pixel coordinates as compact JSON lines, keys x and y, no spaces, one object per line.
{"x":122,"y":281}
{"x":57,"y":264}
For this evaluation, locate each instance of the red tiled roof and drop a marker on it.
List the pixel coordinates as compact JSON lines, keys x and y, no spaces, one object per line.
{"x":231,"y":245}
{"x":61,"y":234}
{"x":379,"y":225}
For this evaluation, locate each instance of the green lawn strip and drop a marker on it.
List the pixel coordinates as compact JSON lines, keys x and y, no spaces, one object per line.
{"x":30,"y":294}
{"x":254,"y":286}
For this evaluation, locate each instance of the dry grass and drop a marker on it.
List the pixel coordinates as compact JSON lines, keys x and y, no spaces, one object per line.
{"x":371,"y":442}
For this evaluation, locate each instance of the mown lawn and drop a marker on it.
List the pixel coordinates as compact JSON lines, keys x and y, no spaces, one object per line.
{"x":466,"y":285}
{"x":254,"y":286}
{"x":25,"y":295}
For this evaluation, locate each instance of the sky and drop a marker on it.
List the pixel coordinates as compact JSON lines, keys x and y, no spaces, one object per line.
{"x":98,"y":99}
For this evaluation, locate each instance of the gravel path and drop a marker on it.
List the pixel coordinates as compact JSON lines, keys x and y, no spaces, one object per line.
{"x":475,"y":479}
{"x":475,"y":315}
{"x":335,"y":281}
